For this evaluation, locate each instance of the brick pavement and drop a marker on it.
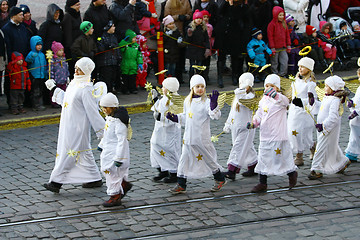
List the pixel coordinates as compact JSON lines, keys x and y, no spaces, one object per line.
{"x":28,"y":158}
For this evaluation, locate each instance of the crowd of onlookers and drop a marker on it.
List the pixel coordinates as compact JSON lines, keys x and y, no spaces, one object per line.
{"x":116,"y":36}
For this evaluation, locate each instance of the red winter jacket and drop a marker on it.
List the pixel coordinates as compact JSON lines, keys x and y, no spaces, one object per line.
{"x":18,"y":74}
{"x":278,"y":36}
{"x":323,"y":25}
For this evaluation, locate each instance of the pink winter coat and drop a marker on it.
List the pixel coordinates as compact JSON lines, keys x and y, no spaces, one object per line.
{"x":278,"y":36}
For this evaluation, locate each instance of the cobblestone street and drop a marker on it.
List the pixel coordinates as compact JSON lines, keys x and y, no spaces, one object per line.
{"x":326,"y":208}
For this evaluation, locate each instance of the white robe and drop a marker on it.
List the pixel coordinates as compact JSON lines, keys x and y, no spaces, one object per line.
{"x":198,"y":158}
{"x":165,"y":142}
{"x":274,"y":155}
{"x":115,"y":148}
{"x":353,"y":146}
{"x":300,"y":123}
{"x":79,"y":113}
{"x":328,"y":156}
{"x":242,"y":154}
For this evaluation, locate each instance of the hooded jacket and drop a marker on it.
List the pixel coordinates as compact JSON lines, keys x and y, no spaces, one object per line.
{"x":36,"y":59}
{"x":51,"y":30}
{"x":19,"y":76}
{"x":324,"y":38}
{"x":131,"y":54}
{"x":278,"y":36}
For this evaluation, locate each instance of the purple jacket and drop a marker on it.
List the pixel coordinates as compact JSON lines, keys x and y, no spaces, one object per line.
{"x":59,"y":70}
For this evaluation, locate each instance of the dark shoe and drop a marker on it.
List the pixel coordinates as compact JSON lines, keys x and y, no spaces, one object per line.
{"x":344,"y":168}
{"x":15,"y":112}
{"x":314,"y":175}
{"x":134,"y":92}
{"x":249,"y":173}
{"x":230,"y":175}
{"x":39,"y":108}
{"x":162,"y":174}
{"x":93,"y":184}
{"x":259,"y":188}
{"x":177,"y":190}
{"x":126,"y":187}
{"x":299,"y":161}
{"x":51,"y":187}
{"x":171,"y":179}
{"x":293,"y":180}
{"x":114,"y":200}
{"x":21,"y":110}
{"x":218,"y":185}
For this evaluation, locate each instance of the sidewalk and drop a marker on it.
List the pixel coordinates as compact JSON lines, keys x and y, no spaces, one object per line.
{"x":135,"y":103}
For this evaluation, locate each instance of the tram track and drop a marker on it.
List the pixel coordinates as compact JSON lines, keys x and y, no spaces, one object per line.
{"x":175,"y":203}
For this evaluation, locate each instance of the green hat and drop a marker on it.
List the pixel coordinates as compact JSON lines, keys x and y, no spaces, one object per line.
{"x":131,"y":34}
{"x":85,"y":26}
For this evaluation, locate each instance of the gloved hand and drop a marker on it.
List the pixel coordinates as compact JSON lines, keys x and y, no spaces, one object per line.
{"x":34,"y":55}
{"x":179,"y":40}
{"x":157,"y":116}
{"x":99,"y":149}
{"x":117,"y":164}
{"x":353,"y":115}
{"x":140,"y":66}
{"x":226,"y":128}
{"x":250,"y":125}
{"x":270,"y":92}
{"x":297,"y":102}
{"x":50,"y":84}
{"x":350,"y":103}
{"x":328,"y":45}
{"x":311,"y":98}
{"x":207,"y":53}
{"x":68,"y":80}
{"x":273,"y":50}
{"x":154,"y":15}
{"x":213,"y":99}
{"x":155,"y":95}
{"x":182,"y":18}
{"x":172,"y":117}
{"x":319,"y":127}
{"x":169,"y":32}
{"x":296,"y":42}
{"x":288,"y":49}
{"x":190,"y":32}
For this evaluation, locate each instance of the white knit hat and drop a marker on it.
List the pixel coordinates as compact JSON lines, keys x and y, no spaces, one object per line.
{"x":197,"y":79}
{"x":109,"y":100}
{"x":86,"y":65}
{"x":246,"y":79}
{"x":171,"y":84}
{"x":335,"y":83}
{"x":273,"y":79}
{"x":307,"y":62}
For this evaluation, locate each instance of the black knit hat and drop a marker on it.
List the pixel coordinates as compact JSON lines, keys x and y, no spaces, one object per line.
{"x":70,"y":3}
{"x":255,"y":32}
{"x":14,"y":11}
{"x":108,"y":25}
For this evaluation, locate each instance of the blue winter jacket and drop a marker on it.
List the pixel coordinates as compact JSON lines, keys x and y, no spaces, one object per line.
{"x":256,"y":50}
{"x":36,"y":59}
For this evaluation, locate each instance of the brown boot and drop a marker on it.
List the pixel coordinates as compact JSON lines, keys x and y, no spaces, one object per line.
{"x":261,"y":187}
{"x":312,"y":151}
{"x":126,"y":187}
{"x":345,"y":167}
{"x":292,"y":179}
{"x":299,"y":161}
{"x":114,"y":200}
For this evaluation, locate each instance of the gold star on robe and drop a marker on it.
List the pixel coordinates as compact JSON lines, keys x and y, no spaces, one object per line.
{"x":232,"y":120}
{"x":66,"y":105}
{"x":278,"y":151}
{"x":106,"y":126}
{"x":322,"y":107}
{"x":106,"y":172}
{"x":266,"y":109}
{"x":295,"y":133}
{"x":57,"y":155}
{"x":162,"y":153}
{"x":199,"y":157}
{"x":183,"y":141}
{"x":190,"y":114}
{"x":354,"y":105}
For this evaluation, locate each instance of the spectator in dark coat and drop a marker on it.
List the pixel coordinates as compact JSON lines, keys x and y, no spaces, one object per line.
{"x":232,"y":33}
{"x":4,"y":12}
{"x":209,"y":5}
{"x":98,"y":14}
{"x":51,"y":29}
{"x":71,"y":28}
{"x":16,"y":38}
{"x":123,"y":14}
{"x":28,"y":22}
{"x":261,"y":8}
